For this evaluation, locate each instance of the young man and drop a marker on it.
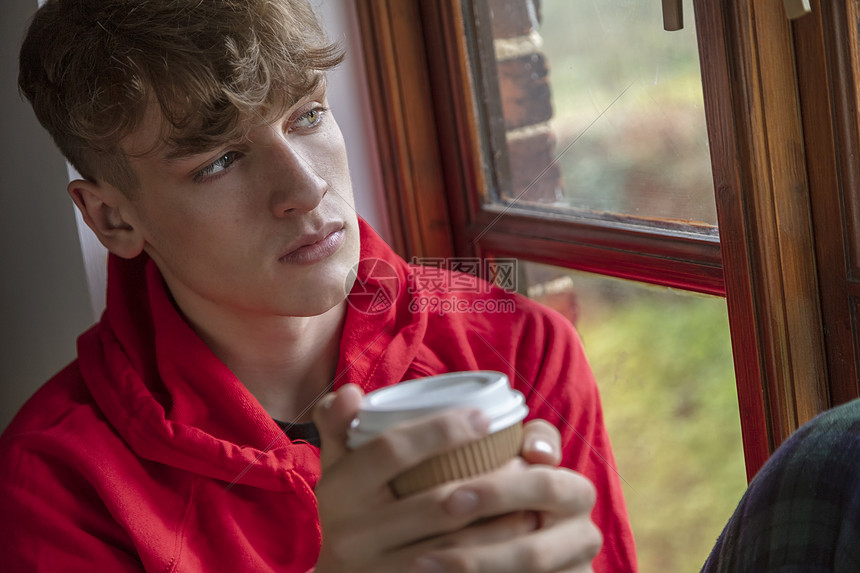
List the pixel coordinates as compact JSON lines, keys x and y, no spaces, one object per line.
{"x":180,"y":439}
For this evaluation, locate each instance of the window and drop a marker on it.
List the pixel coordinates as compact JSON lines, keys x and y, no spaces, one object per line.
{"x":604,"y":128}
{"x":662,"y":360}
{"x":780,"y":102}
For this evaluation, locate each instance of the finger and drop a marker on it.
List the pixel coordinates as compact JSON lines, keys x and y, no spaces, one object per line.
{"x":568,"y":546}
{"x":414,"y":526}
{"x":541,"y":443}
{"x":403,"y":522}
{"x":360,"y":517}
{"x":368,"y":468}
{"x":487,"y":531}
{"x":557,"y":492}
{"x":513,"y":489}
{"x":332,"y":417}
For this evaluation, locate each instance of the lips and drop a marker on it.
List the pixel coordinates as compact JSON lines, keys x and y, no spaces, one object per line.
{"x":315,"y":245}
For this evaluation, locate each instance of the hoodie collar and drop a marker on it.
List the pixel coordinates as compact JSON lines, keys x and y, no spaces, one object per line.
{"x":175,"y":402}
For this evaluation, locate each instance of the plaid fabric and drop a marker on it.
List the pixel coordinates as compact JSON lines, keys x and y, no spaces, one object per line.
{"x":801,"y":513}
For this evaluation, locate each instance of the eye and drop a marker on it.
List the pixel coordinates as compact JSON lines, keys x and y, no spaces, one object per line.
{"x":309,"y":119}
{"x":218,"y":166}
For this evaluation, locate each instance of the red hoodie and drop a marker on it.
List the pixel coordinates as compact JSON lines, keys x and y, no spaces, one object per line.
{"x":147,"y":453}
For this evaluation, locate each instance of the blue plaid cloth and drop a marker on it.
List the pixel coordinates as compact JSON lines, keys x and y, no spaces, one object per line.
{"x":801,"y":513}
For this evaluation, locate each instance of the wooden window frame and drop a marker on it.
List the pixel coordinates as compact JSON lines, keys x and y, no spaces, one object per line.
{"x":771,"y":134}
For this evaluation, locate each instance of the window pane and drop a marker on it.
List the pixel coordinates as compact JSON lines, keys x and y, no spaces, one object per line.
{"x":662,"y":359}
{"x":603,"y":111}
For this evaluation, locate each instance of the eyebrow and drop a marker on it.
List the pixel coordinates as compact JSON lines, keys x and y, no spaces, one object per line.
{"x":177,"y":153}
{"x":175,"y":150}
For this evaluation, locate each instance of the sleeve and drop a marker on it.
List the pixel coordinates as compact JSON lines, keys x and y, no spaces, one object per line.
{"x":565,"y":393}
{"x":47,"y":520}
{"x":802,"y":510}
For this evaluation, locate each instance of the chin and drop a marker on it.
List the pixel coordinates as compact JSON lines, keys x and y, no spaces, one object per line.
{"x":321,"y":296}
{"x":315,"y":308}
{"x":317,"y":289}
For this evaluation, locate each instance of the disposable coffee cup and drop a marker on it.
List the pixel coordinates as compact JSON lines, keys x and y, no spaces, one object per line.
{"x":484,"y":390}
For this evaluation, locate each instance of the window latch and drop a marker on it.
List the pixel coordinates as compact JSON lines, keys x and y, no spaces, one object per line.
{"x":673,"y":15}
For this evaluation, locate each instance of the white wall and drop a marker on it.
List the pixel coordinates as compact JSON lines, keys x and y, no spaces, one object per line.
{"x":44,"y":303}
{"x":48,"y":295}
{"x":350,"y":102}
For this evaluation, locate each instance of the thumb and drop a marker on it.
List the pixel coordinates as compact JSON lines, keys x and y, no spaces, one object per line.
{"x":541,"y":443}
{"x":332,"y":416}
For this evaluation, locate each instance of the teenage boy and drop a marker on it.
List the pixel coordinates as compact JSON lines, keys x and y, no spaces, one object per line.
{"x":181,"y":438}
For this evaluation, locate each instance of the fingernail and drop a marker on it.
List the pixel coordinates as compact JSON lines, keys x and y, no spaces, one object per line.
{"x":480,"y":423}
{"x":462,"y":502}
{"x":326,"y":401}
{"x":542,"y":446}
{"x":427,"y":565}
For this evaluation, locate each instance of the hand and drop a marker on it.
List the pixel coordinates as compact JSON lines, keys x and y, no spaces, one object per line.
{"x":541,"y":445}
{"x":544,"y":524}
{"x":364,"y":527}
{"x":520,"y":518}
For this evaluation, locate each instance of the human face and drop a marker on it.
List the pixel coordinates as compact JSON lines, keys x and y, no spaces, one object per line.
{"x":263,"y":226}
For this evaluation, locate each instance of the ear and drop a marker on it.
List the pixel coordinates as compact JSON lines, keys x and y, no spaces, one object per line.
{"x":105,"y":210}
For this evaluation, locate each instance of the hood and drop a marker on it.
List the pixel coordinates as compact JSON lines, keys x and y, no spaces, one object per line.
{"x":174,"y":402}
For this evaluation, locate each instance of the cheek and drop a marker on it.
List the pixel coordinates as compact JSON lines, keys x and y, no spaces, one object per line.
{"x":182,"y":238}
{"x":341,"y":183}
{"x":335,"y":150}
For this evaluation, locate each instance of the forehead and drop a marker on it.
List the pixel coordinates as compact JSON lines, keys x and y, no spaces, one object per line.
{"x":148,"y":136}
{"x":156,"y":135}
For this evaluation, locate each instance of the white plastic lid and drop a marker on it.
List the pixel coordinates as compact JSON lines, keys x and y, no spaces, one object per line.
{"x":484,"y":390}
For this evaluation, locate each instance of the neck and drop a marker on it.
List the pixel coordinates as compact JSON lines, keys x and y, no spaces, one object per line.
{"x":287,"y":363}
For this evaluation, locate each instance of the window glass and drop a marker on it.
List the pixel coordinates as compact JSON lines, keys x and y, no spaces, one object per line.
{"x":663,"y":363}
{"x":603,"y":111}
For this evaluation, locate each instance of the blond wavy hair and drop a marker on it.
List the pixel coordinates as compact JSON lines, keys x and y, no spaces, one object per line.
{"x":92,"y":68}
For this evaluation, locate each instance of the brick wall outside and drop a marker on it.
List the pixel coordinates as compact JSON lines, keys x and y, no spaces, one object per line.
{"x":526,"y":100}
{"x":527,"y":106}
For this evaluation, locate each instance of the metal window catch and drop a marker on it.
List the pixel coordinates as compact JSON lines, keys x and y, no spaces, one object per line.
{"x":673,"y":15}
{"x":794,"y":9}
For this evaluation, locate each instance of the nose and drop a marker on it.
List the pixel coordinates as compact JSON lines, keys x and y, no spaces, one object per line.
{"x":297,"y":186}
